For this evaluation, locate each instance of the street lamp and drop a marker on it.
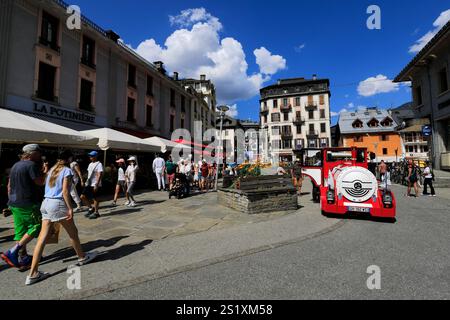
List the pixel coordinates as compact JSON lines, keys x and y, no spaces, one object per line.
{"x":223,"y":110}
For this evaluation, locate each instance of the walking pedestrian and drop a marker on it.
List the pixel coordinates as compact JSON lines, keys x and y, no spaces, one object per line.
{"x":130,"y":176}
{"x":171,"y":169}
{"x":429,"y":177}
{"x":24,"y":204}
{"x":412,"y":179}
{"x":57,"y":208}
{"x":92,"y":186}
{"x":382,"y":169}
{"x":204,"y":169}
{"x":297,"y":176}
{"x":159,"y":167}
{"x":196,"y":176}
{"x":121,"y":181}
{"x":77,"y":178}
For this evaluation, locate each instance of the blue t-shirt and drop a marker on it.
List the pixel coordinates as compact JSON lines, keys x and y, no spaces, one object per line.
{"x":57,"y":191}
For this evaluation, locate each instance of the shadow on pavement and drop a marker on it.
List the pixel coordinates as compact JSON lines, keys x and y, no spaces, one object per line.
{"x":360,"y":217}
{"x":123,"y":251}
{"x":5,"y":239}
{"x":66,"y":253}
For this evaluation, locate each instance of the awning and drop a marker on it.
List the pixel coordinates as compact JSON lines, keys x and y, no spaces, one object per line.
{"x":116,"y":140}
{"x":166,"y":145}
{"x":18,"y":128}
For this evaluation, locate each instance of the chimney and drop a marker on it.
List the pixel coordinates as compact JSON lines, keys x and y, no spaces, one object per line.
{"x":160,"y":66}
{"x":112,"y":35}
{"x":314,"y":76}
{"x":175,"y":76}
{"x":202,"y":77}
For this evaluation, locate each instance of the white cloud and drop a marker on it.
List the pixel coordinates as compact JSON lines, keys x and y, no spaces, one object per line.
{"x":233,"y":112}
{"x":350,"y":107}
{"x":269,"y":64}
{"x":197,"y":48}
{"x":375,"y":85}
{"x":299,"y":48}
{"x":443,"y":18}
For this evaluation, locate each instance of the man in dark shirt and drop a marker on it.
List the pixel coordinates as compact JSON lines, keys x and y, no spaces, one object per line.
{"x":24,"y":178}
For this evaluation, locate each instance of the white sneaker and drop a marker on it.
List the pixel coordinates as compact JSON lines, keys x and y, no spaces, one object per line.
{"x":127,"y":203}
{"x":132,"y":204}
{"x":41,"y":276}
{"x":90,"y":256}
{"x":78,"y":209}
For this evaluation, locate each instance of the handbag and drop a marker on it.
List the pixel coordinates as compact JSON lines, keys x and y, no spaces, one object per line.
{"x":53,"y":236}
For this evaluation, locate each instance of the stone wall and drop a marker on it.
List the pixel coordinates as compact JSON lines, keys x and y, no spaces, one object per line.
{"x":254,"y":202}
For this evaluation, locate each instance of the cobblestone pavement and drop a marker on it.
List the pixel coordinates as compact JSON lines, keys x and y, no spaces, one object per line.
{"x":155,"y":218}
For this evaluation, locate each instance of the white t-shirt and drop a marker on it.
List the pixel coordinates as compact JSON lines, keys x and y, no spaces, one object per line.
{"x":121,"y":175}
{"x":75,"y":177}
{"x":131,"y":173}
{"x":427,"y":173}
{"x":158,"y":165}
{"x":93,"y":169}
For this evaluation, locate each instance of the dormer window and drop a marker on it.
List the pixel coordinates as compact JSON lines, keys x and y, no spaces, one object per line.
{"x":387,"y":122}
{"x":357,"y":124}
{"x":373,"y":123}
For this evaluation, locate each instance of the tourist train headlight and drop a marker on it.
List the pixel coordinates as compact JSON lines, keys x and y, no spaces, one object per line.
{"x":330,"y":196}
{"x":387,"y":200}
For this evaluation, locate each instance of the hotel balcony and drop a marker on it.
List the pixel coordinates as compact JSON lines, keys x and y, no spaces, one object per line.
{"x":286,"y":135}
{"x":287,"y":108}
{"x":264,"y":111}
{"x":312,"y":134}
{"x":311,"y":106}
{"x":299,"y":121}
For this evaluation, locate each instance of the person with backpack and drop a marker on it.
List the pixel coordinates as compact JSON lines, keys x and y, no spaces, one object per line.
{"x":171,"y":169}
{"x":429,"y":177}
{"x":130,"y":176}
{"x":412,"y":179}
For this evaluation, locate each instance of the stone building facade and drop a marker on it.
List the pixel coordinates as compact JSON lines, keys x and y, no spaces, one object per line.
{"x":85,"y":78}
{"x":296,"y":114}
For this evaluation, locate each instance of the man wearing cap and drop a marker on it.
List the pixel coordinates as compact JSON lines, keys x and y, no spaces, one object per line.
{"x":92,"y":185}
{"x":24,"y":204}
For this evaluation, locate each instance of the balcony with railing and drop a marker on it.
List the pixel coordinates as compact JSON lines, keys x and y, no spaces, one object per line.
{"x":286,"y":108}
{"x":88,"y":62}
{"x":311,"y":106}
{"x":298,"y":121}
{"x":312,"y":134}
{"x":264,"y":111}
{"x":50,"y":44}
{"x":286,"y":135}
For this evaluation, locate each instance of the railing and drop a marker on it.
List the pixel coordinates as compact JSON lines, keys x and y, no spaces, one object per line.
{"x":311,"y":106}
{"x":88,"y":62}
{"x":286,"y":108}
{"x":264,"y":110}
{"x":312,"y":133}
{"x":49,"y":44}
{"x":286,"y":134}
{"x":299,"y":120}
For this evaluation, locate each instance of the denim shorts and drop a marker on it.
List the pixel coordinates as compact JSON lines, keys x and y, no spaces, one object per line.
{"x":54,"y":210}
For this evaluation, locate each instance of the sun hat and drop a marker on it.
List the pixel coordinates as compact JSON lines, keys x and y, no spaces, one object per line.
{"x":29,"y":148}
{"x":132,"y":159}
{"x":93,"y":154}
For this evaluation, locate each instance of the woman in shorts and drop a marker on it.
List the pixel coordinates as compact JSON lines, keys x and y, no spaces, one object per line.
{"x":121,"y":184}
{"x":57,"y":208}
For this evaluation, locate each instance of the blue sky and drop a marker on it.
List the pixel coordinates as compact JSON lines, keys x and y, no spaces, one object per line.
{"x":293,"y":39}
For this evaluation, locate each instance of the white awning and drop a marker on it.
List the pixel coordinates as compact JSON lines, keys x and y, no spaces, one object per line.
{"x":116,"y":140}
{"x":166,"y":145}
{"x":18,"y":128}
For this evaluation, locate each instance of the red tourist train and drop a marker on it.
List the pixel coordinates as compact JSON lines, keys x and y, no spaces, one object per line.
{"x":343,"y":184}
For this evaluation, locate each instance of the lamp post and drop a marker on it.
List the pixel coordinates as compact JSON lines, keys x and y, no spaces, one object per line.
{"x":223,"y":110}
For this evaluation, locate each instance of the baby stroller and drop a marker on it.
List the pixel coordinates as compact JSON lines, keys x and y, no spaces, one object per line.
{"x":180,"y":187}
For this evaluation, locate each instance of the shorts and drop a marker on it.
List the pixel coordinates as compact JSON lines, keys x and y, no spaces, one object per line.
{"x":89,"y":192}
{"x":122,"y":184}
{"x":54,"y":210}
{"x":298,"y":178}
{"x":196,"y":177}
{"x":203,"y":178}
{"x":170,"y":178}
{"x":130,"y":187}
{"x":27,"y":220}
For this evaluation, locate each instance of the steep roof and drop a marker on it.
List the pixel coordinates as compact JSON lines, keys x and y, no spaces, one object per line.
{"x":346,"y":120}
